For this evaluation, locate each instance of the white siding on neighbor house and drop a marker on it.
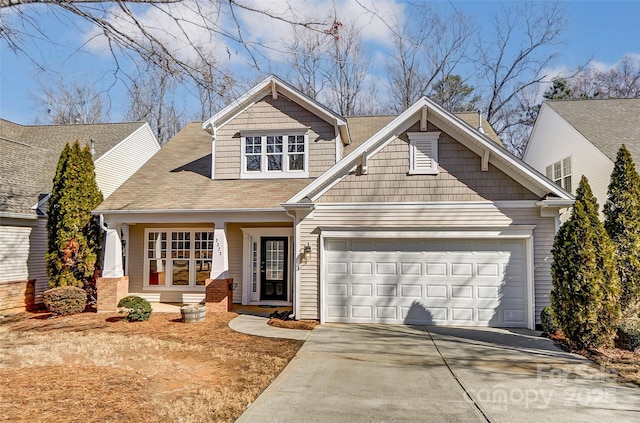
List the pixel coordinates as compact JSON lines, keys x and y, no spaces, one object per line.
{"x":420,"y":219}
{"x":14,"y":253}
{"x":37,"y":264}
{"x":553,"y":139}
{"x":123,"y":160}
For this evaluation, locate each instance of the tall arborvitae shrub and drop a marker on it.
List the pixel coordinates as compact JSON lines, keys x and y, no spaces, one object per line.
{"x":622,"y":222}
{"x":73,"y":233}
{"x":586,"y":287}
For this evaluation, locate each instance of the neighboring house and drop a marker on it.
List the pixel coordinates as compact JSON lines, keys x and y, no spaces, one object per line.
{"x":572,"y":138}
{"x":28,"y":159}
{"x":417,"y":218}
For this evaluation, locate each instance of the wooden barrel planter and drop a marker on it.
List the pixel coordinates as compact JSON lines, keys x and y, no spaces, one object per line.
{"x":193,"y":313}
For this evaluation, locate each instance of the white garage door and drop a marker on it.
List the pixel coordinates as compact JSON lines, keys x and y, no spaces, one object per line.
{"x":433,"y":282}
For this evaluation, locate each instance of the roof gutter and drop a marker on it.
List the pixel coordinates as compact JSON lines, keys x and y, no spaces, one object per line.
{"x":10,"y":215}
{"x":556,"y":203}
{"x":188,"y":211}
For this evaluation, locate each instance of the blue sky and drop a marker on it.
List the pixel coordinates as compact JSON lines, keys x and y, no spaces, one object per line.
{"x":598,"y":30}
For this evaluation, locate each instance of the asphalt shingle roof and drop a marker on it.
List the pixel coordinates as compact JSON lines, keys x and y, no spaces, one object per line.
{"x":178,"y":177}
{"x":606,"y":123}
{"x":29,"y":155}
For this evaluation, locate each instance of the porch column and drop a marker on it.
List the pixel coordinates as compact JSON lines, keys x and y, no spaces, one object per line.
{"x":220,"y":265}
{"x":112,"y":265}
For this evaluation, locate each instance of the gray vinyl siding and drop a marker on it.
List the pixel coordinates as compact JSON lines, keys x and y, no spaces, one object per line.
{"x":234,"y":248}
{"x":118,"y":164}
{"x":422,"y":219}
{"x":14,"y":254}
{"x":460,"y":178}
{"x":270,"y":114}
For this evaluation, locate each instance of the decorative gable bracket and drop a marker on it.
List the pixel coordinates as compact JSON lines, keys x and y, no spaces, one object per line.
{"x":485,"y":160}
{"x":423,"y":119}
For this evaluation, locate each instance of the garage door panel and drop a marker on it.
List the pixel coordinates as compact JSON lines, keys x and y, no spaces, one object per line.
{"x":338,"y":289}
{"x":383,"y":268}
{"x":411,"y":291}
{"x":361,"y":290}
{"x":436,"y":291}
{"x":337,"y":268}
{"x":361,"y":268}
{"x":436,"y":269}
{"x":386,"y":290}
{"x":437,"y":282}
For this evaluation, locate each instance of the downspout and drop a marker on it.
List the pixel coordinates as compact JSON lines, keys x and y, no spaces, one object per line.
{"x":296,"y":269}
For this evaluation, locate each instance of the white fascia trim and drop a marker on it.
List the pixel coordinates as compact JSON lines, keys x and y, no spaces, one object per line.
{"x":333,"y":175}
{"x":188,"y":211}
{"x":542,"y":110}
{"x":427,"y":205}
{"x":262,"y":89}
{"x":10,"y":215}
{"x":115,"y":147}
{"x":486,"y":232}
{"x":558,"y":203}
{"x":500,"y":152}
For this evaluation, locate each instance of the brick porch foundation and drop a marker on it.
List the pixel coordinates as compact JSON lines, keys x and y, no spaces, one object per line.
{"x":219,"y":296}
{"x":110,"y":291}
{"x":17,"y":296}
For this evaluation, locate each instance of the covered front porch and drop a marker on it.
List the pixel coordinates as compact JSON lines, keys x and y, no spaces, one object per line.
{"x":170,"y":257}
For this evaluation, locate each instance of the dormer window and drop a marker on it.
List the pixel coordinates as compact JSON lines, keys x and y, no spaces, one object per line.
{"x":275,"y":155}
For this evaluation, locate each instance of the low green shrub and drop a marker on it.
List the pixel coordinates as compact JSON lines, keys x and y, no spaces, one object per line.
{"x":65,"y":300}
{"x":138,"y":309}
{"x":629,"y":336}
{"x":548,"y":320}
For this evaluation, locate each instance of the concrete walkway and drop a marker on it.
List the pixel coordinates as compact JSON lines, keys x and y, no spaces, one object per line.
{"x":367,"y":373}
{"x":257,"y":325}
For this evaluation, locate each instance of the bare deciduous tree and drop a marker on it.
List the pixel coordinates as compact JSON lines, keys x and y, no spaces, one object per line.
{"x":429,"y":49}
{"x":510,"y":69}
{"x":349,"y":66}
{"x":621,"y":81}
{"x":69,"y":103}
{"x":151,"y":99}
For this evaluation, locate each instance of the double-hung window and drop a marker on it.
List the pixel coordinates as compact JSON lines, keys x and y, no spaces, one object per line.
{"x":275,"y":155}
{"x":178,"y":258}
{"x":560,"y":173}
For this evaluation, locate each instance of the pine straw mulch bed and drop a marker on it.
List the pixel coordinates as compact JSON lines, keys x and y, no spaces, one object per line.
{"x":293,"y":324}
{"x":625,"y":364}
{"x":99,"y":368}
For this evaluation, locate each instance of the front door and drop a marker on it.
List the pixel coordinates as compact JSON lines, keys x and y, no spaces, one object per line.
{"x":273,"y":268}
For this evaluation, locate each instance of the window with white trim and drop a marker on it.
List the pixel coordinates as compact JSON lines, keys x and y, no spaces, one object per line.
{"x":560,"y":173}
{"x":423,"y":152}
{"x":177,"y":258}
{"x":275,"y":156}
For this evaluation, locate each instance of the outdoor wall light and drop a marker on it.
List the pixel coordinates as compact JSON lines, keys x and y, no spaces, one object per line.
{"x":307,"y":252}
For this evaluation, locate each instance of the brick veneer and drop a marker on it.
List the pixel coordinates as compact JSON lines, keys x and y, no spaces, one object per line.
{"x":219,"y":296}
{"x":16,"y":296}
{"x":110,"y":291}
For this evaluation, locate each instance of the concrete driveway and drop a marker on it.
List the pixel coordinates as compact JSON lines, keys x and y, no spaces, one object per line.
{"x":365,"y":373}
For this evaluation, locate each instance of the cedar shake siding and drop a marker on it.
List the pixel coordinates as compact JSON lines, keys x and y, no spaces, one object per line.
{"x":270,"y":114}
{"x":460,"y":178}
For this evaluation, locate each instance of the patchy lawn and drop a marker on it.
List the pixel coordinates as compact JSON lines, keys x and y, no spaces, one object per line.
{"x":98,"y":368}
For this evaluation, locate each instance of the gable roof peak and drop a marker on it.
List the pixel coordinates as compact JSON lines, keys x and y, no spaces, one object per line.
{"x":274,"y":86}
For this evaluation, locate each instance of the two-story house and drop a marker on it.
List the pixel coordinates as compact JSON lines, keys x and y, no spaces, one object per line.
{"x":572,"y":138}
{"x":416,"y":218}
